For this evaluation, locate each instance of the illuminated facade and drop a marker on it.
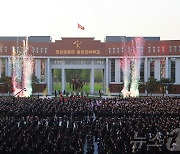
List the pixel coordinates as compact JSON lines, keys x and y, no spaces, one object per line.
{"x":159,"y":59}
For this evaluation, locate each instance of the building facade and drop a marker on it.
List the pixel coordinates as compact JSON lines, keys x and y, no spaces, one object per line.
{"x":159,"y":58}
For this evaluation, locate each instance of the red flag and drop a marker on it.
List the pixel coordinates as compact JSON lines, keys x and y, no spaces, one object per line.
{"x":81,"y":27}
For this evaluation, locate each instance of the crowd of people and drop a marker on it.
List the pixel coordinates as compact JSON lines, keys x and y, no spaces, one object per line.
{"x":89,"y":125}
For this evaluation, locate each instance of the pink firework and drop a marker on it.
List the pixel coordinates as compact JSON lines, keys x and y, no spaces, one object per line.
{"x":22,"y":72}
{"x":137,"y":44}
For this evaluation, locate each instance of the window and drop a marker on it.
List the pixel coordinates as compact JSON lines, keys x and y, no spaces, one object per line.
{"x":33,"y":50}
{"x":173,"y":69}
{"x":109,"y":50}
{"x":162,"y":68}
{"x":3,"y":63}
{"x":132,"y":49}
{"x":117,"y":50}
{"x":1,"y":49}
{"x":113,"y":50}
{"x":158,"y":49}
{"x":179,"y":48}
{"x":36,"y":50}
{"x":149,"y":49}
{"x":45,"y":50}
{"x":142,"y":71}
{"x":122,"y":78}
{"x":170,"y":48}
{"x":41,"y":50}
{"x":77,"y":62}
{"x":122,"y":50}
{"x":17,"y":49}
{"x":112,"y":70}
{"x":98,"y":62}
{"x":56,"y":61}
{"x":162,"y":49}
{"x":43,"y":67}
{"x":174,"y":48}
{"x":129,"y":49}
{"x":21,"y":49}
{"x":151,"y":68}
{"x":5,"y":49}
{"x":154,"y":49}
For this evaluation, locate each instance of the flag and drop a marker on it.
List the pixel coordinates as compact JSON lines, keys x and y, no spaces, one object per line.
{"x":81,"y":27}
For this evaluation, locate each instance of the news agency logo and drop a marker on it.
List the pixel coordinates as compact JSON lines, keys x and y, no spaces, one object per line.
{"x":172,"y":144}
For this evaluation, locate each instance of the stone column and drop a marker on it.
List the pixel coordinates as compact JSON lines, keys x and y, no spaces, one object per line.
{"x":145,"y":70}
{"x":9,"y":67}
{"x":103,"y":76}
{"x":177,"y":69}
{"x":38,"y":69}
{"x":157,"y":69}
{"x":148,"y":68}
{"x":0,"y":67}
{"x":6,"y":66}
{"x":107,"y":74}
{"x":117,"y":71}
{"x":52,"y":85}
{"x":92,"y":81}
{"x":45,"y":80}
{"x":49,"y":73}
{"x":166,"y":68}
{"x":63,"y":76}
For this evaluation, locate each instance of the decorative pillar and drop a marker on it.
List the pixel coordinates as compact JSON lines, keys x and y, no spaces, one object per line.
{"x":145,"y":70}
{"x":48,"y":77}
{"x":9,"y":67}
{"x":6,"y":66}
{"x":92,"y":77}
{"x":0,"y":67}
{"x":117,"y":71}
{"x":157,"y":69}
{"x":52,"y":85}
{"x":63,"y":80}
{"x":38,"y":69}
{"x":148,"y":67}
{"x":177,"y":69}
{"x":92,"y":81}
{"x":167,"y":68}
{"x":103,"y":76}
{"x":45,"y":80}
{"x":107,"y":75}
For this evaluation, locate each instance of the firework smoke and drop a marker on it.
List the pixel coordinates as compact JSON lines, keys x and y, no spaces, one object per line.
{"x":22,"y":71}
{"x":136,"y":45}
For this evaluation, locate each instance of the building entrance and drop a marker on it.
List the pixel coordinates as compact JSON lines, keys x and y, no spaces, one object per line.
{"x":78,"y":80}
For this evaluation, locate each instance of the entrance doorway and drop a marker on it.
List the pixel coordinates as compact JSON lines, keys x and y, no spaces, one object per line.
{"x":78,"y":80}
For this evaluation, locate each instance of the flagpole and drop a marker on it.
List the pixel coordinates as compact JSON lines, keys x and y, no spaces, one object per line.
{"x":77,"y":29}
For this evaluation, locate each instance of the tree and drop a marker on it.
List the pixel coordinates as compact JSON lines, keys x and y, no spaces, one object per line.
{"x":165,"y":84}
{"x":142,"y":86}
{"x":7,"y":82}
{"x":98,"y":75}
{"x":35,"y":79}
{"x":151,"y":85}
